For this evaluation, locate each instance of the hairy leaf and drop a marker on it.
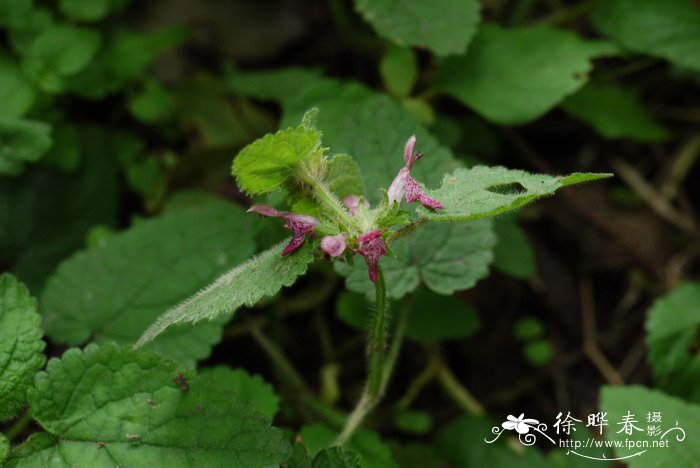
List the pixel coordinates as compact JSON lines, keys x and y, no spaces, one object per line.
{"x":373,"y":452}
{"x":343,"y":176}
{"x":513,"y":76}
{"x":443,"y":26}
{"x":614,"y":112}
{"x":336,"y":457}
{"x":113,"y":291}
{"x":108,"y":406}
{"x":669,"y":29}
{"x":483,"y":191}
{"x":672,"y":330}
{"x":251,"y":389}
{"x":246,"y":284}
{"x":445,"y":257}
{"x":266,"y":164}
{"x":21,"y":347}
{"x":639,"y":401}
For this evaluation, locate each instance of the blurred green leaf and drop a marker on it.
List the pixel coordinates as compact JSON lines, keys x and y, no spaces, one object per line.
{"x":538,"y":352}
{"x":65,"y":152}
{"x":514,"y":254}
{"x":14,"y":13}
{"x":418,"y":455}
{"x":513,"y":76}
{"x":433,"y":318}
{"x":399,"y":71}
{"x":668,"y":29}
{"x":344,"y":177}
{"x":614,"y":112}
{"x":153,"y":104}
{"x":445,"y":257}
{"x":89,"y":10}
{"x":413,"y":422}
{"x":17,"y":94}
{"x":157,"y":264}
{"x":4,"y":448}
{"x":640,"y":401}
{"x":21,"y":347}
{"x":107,"y":406}
{"x":374,"y":453}
{"x":336,"y":457}
{"x":673,"y":335}
{"x":443,"y":26}
{"x":528,"y":328}
{"x":22,"y":141}
{"x":252,"y":389}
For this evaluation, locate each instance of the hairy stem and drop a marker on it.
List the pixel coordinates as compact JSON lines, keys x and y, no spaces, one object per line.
{"x":379,"y":368}
{"x":406,"y":230}
{"x":328,"y":200}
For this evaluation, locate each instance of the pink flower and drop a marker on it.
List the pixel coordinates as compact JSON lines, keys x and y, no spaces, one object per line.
{"x":404,"y":184}
{"x":300,"y":225}
{"x":352,"y":202}
{"x":372,"y":247}
{"x":333,"y":245}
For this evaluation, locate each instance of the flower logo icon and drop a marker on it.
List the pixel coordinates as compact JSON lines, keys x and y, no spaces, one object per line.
{"x":521,"y":425}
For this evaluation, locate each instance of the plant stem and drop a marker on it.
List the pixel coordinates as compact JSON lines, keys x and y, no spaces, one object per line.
{"x":378,"y":373}
{"x":19,"y":425}
{"x":406,"y":230}
{"x":457,"y":391}
{"x":281,"y":361}
{"x":328,"y":200}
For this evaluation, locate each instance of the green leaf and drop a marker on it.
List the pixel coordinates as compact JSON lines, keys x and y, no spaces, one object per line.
{"x":45,"y":214}
{"x":343,"y":176}
{"x":267,"y":163}
{"x":23,"y":141}
{"x":246,"y":284}
{"x":153,"y":104}
{"x":614,"y":112}
{"x":461,"y":443}
{"x":444,"y":257}
{"x":528,"y":328}
{"x":65,"y":152}
{"x":513,"y":76}
{"x":417,"y":455}
{"x":251,"y":389}
{"x":374,"y":453}
{"x":484,"y":191}
{"x":639,"y":401}
{"x":443,"y":26}
{"x":156,"y":264}
{"x":4,"y":448}
{"x":16,"y":92}
{"x":668,"y":29}
{"x":538,"y":352}
{"x":413,"y":422}
{"x":514,"y":254}
{"x":59,"y":52}
{"x":399,"y":71}
{"x":85,"y":10}
{"x":108,"y":406}
{"x":14,"y":13}
{"x":21,"y":347}
{"x":336,"y":457}
{"x":672,"y":335}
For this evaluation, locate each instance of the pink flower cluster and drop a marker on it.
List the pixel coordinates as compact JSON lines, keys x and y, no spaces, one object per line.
{"x":370,"y":244}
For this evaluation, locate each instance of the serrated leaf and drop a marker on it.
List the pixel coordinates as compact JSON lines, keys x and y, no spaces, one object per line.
{"x":45,"y":214}
{"x":246,"y":284}
{"x":343,"y":176}
{"x":59,"y":52}
{"x":113,"y":291}
{"x":336,"y":457}
{"x":446,"y":258}
{"x":672,"y":329}
{"x":614,"y":112}
{"x":251,"y":389}
{"x":513,"y":253}
{"x":374,"y":453}
{"x":23,"y":141}
{"x":266,"y":164}
{"x":639,"y":401}
{"x":399,"y":71}
{"x":108,"y":406}
{"x":484,"y":191}
{"x":443,"y":26}
{"x":16,"y":92}
{"x":668,"y":29}
{"x":512,"y":76}
{"x":21,"y":347}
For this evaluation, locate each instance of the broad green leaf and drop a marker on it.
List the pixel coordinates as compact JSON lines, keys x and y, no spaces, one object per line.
{"x":343,"y":176}
{"x":336,"y":457}
{"x":21,"y":347}
{"x":399,"y":71}
{"x":45,"y":214}
{"x":461,"y":443}
{"x":14,"y":13}
{"x":246,"y":284}
{"x":672,"y":331}
{"x":153,"y":104}
{"x":538,"y":352}
{"x":528,"y":328}
{"x":513,"y":76}
{"x":640,"y":401}
{"x":59,"y":52}
{"x":251,"y":389}
{"x":431,"y":317}
{"x":85,"y":10}
{"x":108,"y":406}
{"x":513,"y":252}
{"x":484,"y":191}
{"x":444,"y":257}
{"x":267,"y":163}
{"x":443,"y":26}
{"x":417,"y":455}
{"x":668,"y":29}
{"x":113,"y":291}
{"x":22,"y":141}
{"x":373,"y":452}
{"x":413,"y":422}
{"x":17,"y":94}
{"x":65,"y":152}
{"x":614,"y":112}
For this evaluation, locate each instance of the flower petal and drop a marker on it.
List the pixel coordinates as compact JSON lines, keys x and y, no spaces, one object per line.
{"x":294,"y":244}
{"x":397,"y":189}
{"x":509,"y":425}
{"x":522,"y":428}
{"x":410,"y":156}
{"x":415,"y":192}
{"x":266,"y":210}
{"x":372,"y":247}
{"x":333,"y":245}
{"x":352,"y":202}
